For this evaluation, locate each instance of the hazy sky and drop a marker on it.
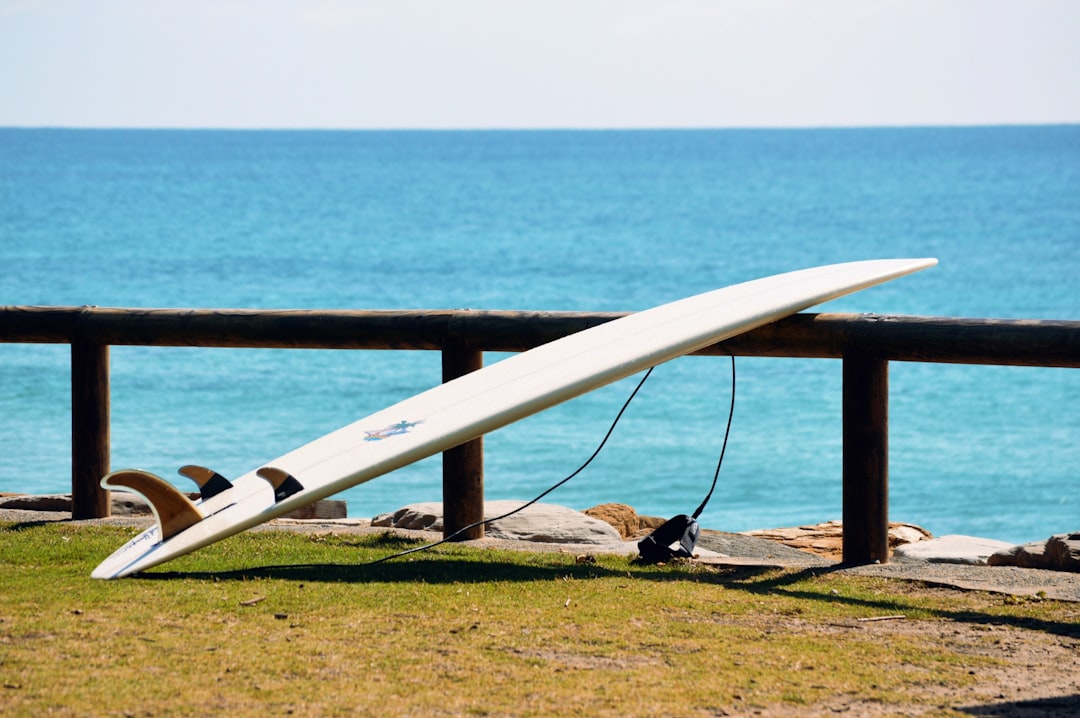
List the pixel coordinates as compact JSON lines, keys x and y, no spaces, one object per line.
{"x":546,"y":63}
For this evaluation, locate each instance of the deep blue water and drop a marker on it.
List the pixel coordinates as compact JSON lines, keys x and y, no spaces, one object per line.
{"x":557,"y":220}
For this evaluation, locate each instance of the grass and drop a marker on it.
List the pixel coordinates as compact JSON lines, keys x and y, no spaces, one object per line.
{"x":276,"y":623}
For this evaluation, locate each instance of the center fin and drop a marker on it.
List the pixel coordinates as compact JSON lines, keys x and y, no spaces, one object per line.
{"x":210,"y":482}
{"x":173,"y":510}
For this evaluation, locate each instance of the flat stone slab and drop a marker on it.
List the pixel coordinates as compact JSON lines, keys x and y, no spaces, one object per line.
{"x":953,"y":548}
{"x":127,"y":503}
{"x":827,"y":538}
{"x":544,"y":523}
{"x":1009,"y":580}
{"x":742,"y":549}
{"x":123,"y":503}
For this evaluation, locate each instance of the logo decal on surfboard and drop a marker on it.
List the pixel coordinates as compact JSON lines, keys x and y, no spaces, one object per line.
{"x":402,"y":427}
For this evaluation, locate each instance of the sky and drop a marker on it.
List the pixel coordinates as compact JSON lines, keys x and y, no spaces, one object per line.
{"x":481,"y":64}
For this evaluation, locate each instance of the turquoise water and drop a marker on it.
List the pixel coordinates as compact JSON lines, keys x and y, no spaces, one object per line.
{"x":564,"y":221}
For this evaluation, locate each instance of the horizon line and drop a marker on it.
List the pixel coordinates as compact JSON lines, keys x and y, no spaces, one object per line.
{"x":538,"y":128}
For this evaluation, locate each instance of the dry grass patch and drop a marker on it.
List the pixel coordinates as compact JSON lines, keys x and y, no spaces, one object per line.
{"x":284,"y":624}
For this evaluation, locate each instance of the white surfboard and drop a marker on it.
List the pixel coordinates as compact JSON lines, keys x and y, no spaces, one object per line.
{"x":470,"y":406}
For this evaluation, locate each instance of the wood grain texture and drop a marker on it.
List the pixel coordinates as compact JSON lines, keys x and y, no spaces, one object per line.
{"x":1011,"y":342}
{"x":173,"y":510}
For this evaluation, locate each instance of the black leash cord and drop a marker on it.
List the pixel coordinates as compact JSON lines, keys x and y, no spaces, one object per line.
{"x":723,"y":448}
{"x":524,"y":506}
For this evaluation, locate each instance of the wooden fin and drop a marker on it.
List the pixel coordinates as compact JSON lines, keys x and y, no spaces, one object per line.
{"x":284,"y":483}
{"x":173,"y":510}
{"x":210,"y":482}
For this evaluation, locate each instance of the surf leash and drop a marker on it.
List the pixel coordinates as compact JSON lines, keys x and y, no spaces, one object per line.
{"x":660,"y":545}
{"x":547,"y":491}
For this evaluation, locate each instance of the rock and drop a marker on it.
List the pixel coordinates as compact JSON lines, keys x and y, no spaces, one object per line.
{"x":827,"y":539}
{"x":620,"y":516}
{"x":123,"y":503}
{"x":545,"y":523}
{"x":127,"y":503}
{"x":321,"y":510}
{"x":901,"y":534}
{"x":952,"y":549}
{"x":1028,"y":555}
{"x":646,"y":524}
{"x":415,"y":517}
{"x":756,"y":551}
{"x":1064,"y":551}
{"x":23,"y":502}
{"x":1060,"y":552}
{"x":625,"y":519}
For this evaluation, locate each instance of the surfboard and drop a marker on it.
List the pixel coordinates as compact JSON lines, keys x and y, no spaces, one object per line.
{"x":468,"y":407}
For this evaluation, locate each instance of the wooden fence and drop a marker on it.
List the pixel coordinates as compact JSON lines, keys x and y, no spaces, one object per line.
{"x":865,"y":343}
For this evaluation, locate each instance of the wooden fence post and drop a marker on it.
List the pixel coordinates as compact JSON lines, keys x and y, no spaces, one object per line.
{"x":89,"y":429}
{"x":463,"y":466}
{"x":866,"y":459}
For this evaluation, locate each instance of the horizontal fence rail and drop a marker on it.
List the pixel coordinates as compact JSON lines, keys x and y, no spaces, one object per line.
{"x":865,"y":342}
{"x":1011,"y":342}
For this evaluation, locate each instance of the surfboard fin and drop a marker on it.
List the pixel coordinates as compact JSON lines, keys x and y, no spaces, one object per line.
{"x":173,"y":510}
{"x":210,"y":482}
{"x":284,"y":483}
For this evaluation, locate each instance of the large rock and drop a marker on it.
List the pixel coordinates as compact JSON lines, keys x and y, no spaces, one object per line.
{"x":827,"y":539}
{"x":953,"y":548}
{"x":545,"y":523}
{"x":1060,"y":552}
{"x":628,"y":522}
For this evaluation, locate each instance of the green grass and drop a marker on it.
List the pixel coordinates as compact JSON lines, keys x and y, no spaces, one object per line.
{"x":275,"y":623}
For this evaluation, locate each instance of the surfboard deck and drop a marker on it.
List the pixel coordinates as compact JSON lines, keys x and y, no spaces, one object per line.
{"x":472,"y":405}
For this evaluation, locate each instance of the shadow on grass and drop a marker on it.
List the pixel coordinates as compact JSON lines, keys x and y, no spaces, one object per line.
{"x":452,"y":563}
{"x":784,"y":584}
{"x":481,"y":567}
{"x":1038,"y":708}
{"x":437,"y":569}
{"x":18,"y":526}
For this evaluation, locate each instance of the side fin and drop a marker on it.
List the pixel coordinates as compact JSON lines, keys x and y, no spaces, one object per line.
{"x":173,"y":510}
{"x":210,"y":482}
{"x":284,"y":483}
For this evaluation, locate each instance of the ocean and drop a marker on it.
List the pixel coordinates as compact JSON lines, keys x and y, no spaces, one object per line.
{"x":557,"y":220}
